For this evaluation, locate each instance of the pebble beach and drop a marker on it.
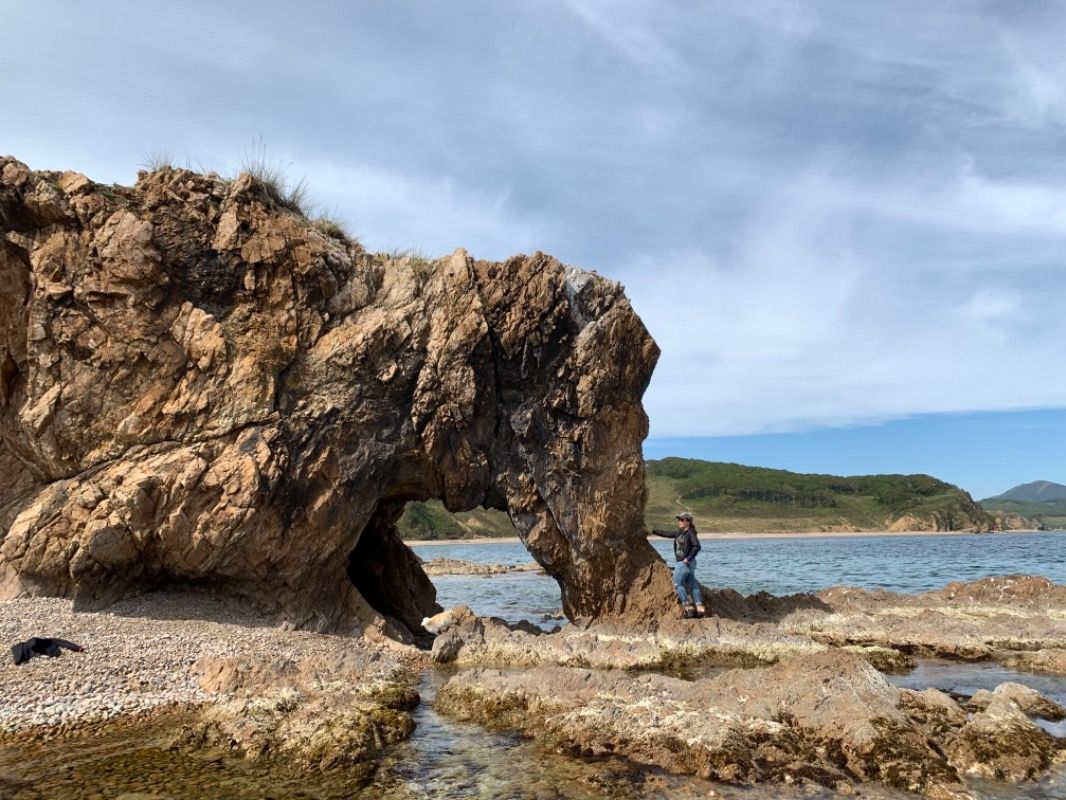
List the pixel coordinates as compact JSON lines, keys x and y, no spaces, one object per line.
{"x":140,"y":656}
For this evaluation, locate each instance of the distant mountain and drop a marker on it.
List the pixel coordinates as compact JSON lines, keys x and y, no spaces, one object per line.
{"x":1042,"y":502}
{"x":737,"y":498}
{"x":1035,"y":492}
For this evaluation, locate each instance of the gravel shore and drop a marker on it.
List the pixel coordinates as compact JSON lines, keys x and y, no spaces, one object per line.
{"x":139,"y":656}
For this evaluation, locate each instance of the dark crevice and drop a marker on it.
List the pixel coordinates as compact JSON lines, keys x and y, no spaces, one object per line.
{"x":8,"y":373}
{"x":387,"y":573}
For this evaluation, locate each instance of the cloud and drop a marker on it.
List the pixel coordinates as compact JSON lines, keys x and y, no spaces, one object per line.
{"x":430,"y":213}
{"x":627,"y":27}
{"x":827,"y":213}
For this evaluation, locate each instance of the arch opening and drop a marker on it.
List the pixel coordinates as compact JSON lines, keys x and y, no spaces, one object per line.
{"x":477,"y":558}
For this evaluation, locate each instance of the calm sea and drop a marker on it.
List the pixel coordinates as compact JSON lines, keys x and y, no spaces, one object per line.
{"x":780,"y":566}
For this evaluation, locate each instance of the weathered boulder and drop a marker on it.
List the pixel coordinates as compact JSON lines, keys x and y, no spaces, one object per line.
{"x":1029,"y":701}
{"x":1002,"y":743}
{"x":198,"y":387}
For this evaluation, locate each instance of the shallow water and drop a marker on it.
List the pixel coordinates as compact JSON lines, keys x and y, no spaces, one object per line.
{"x":448,"y":760}
{"x":135,"y":762}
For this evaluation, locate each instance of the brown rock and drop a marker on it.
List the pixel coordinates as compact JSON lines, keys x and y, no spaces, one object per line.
{"x":1051,"y":660}
{"x":198,"y":386}
{"x":1029,"y":701}
{"x":1002,"y":743}
{"x":827,"y":718}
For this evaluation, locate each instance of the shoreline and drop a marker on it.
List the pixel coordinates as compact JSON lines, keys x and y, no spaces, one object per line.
{"x":740,"y":535}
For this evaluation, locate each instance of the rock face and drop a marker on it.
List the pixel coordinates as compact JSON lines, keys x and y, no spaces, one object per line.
{"x":198,"y":387}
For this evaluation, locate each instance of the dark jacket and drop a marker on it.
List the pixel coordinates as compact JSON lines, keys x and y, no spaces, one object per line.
{"x":686,"y":542}
{"x":37,"y":646}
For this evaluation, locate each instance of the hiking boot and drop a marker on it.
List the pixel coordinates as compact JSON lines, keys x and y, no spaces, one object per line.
{"x":700,"y":611}
{"x":689,"y":612}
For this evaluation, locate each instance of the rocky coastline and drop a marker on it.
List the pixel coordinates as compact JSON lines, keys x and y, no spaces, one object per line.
{"x":801,"y":701}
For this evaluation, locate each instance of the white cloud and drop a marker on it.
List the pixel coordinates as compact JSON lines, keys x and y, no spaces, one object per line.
{"x":430,"y":213}
{"x":827,"y":213}
{"x":628,"y":27}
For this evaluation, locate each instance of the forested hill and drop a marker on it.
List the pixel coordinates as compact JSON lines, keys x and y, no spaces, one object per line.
{"x":736,"y":498}
{"x":733,"y":497}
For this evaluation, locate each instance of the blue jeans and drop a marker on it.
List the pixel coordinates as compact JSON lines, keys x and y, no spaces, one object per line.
{"x":685,"y":578}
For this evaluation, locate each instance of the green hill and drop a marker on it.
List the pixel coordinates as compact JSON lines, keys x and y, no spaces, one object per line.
{"x":733,"y":497}
{"x":1049,"y":514}
{"x":431,"y":520}
{"x":736,"y":498}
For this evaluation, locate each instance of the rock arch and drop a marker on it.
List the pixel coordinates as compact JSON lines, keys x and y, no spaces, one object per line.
{"x":198,"y":386}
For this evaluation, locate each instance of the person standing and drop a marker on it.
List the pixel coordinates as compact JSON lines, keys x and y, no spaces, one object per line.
{"x":686,"y":546}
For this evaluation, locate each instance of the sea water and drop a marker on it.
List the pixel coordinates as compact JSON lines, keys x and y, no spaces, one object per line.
{"x":780,"y":565}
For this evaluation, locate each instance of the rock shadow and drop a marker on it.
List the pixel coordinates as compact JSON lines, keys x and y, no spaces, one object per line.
{"x":758,"y":607}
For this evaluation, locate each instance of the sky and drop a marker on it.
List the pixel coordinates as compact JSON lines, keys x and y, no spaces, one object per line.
{"x":844,"y":223}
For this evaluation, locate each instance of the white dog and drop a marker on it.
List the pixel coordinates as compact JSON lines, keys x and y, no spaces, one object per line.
{"x":439,"y":623}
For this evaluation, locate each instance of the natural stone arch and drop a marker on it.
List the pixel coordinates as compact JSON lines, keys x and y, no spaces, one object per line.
{"x":202,"y":388}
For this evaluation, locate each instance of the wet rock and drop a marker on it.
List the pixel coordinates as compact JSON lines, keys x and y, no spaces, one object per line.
{"x":673,"y":645}
{"x":1029,"y":701}
{"x":991,"y":618}
{"x":827,"y":718}
{"x":1051,"y":660}
{"x":321,"y":712}
{"x":198,"y":386}
{"x":1002,"y":743}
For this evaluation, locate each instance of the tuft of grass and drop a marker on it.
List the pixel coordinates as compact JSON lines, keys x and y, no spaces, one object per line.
{"x":273,"y":176}
{"x":332,"y":227}
{"x":157,"y":160}
{"x":417,"y":260}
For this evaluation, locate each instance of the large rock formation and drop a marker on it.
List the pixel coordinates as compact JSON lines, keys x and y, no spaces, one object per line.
{"x":199,"y":387}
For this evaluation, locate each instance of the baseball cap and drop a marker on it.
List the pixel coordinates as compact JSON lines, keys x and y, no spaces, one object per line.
{"x":684,"y":515}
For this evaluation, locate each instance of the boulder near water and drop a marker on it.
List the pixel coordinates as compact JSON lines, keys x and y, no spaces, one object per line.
{"x":198,"y":387}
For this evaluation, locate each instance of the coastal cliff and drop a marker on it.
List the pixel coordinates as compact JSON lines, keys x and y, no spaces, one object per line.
{"x":199,"y":387}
